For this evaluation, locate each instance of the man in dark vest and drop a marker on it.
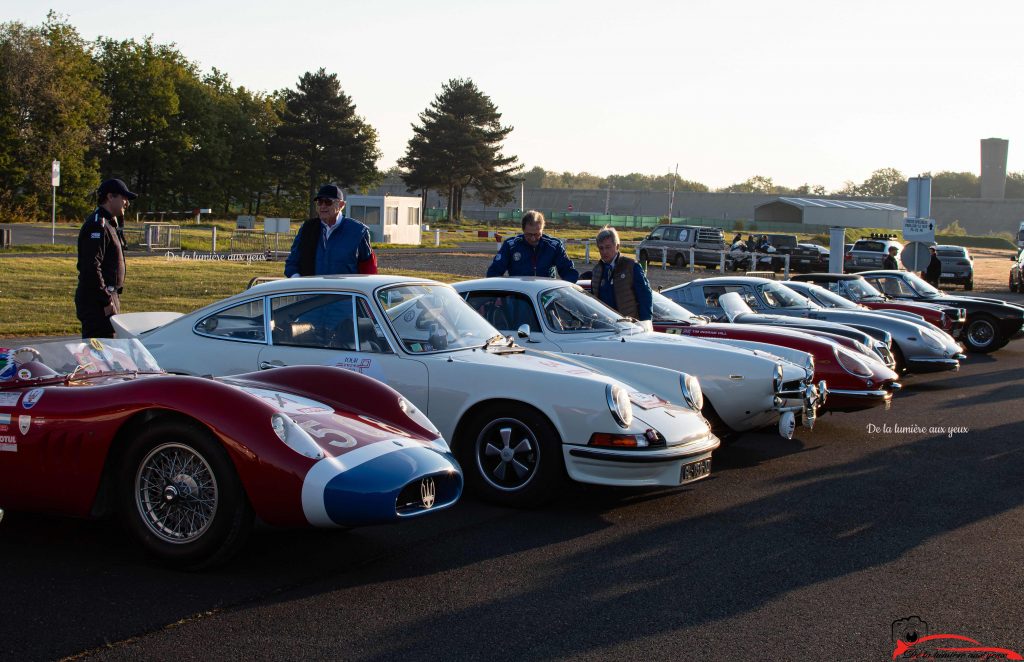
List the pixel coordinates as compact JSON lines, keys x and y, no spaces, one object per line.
{"x":331,"y":243}
{"x":619,"y":281}
{"x":101,"y":261}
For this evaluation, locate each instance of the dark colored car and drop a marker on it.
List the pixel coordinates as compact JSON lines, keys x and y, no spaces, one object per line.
{"x":1017,"y":273}
{"x":990,"y":324}
{"x":807,"y":258}
{"x":677,"y":240}
{"x":957,"y":266}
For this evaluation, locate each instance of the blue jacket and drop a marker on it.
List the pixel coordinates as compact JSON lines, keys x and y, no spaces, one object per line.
{"x":348,"y":245}
{"x":518,"y":258}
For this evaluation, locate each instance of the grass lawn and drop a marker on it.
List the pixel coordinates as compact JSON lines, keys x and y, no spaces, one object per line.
{"x":37,"y":294}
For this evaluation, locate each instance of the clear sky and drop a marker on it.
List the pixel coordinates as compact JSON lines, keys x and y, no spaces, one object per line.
{"x":801,"y":91}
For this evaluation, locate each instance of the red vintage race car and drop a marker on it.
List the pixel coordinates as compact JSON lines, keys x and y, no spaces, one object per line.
{"x":94,"y":427}
{"x":854,"y":378}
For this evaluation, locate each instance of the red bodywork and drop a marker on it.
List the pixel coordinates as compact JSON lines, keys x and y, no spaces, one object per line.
{"x":58,"y":451}
{"x":933,"y":315}
{"x":826,"y":365}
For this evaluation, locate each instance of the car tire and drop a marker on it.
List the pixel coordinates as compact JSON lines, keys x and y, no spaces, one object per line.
{"x":162,"y":472}
{"x":969,"y":285}
{"x":981,"y":334}
{"x":901,"y":361}
{"x":1013,"y":285}
{"x":511,"y":455}
{"x":679,"y":261}
{"x":725,"y":434}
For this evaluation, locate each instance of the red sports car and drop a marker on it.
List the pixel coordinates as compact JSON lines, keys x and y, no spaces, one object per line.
{"x":855,"y":380}
{"x":853,"y":287}
{"x":93,"y":427}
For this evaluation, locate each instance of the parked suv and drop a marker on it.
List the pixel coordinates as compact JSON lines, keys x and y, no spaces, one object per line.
{"x":784,"y":244}
{"x":1017,"y":273}
{"x":867,"y":254}
{"x":957,"y":266}
{"x":677,"y":240}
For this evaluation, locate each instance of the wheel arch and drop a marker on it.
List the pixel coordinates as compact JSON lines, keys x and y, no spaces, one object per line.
{"x":104,"y":502}
{"x":477,"y":407}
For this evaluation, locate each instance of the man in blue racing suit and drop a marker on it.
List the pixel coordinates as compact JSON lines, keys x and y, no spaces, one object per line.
{"x":533,"y":253}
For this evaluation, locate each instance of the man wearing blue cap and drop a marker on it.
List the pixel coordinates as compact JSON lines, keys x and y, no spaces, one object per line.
{"x":101,"y":261}
{"x":331,"y":243}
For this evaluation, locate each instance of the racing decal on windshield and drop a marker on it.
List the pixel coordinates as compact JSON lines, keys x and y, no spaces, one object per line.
{"x":31,"y":398}
{"x":24,"y":423}
{"x":9,"y":399}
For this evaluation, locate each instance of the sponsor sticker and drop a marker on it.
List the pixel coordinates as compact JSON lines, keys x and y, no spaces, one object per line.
{"x":95,"y":235}
{"x":24,"y":374}
{"x":24,"y":423}
{"x":7,"y":364}
{"x":96,"y":344}
{"x":517,"y":256}
{"x":9,"y":399}
{"x":5,"y":419}
{"x":8,"y":443}
{"x":31,"y":398}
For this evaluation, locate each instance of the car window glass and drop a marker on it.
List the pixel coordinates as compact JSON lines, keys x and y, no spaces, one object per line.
{"x":504,"y":310}
{"x":313,"y":320}
{"x":371,"y":336}
{"x":432,"y":318}
{"x":568,"y":309}
{"x":891,"y":287}
{"x":658,"y":233}
{"x":712,"y":292}
{"x":241,"y":322}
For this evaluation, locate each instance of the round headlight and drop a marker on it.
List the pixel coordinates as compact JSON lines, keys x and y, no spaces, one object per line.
{"x":933,"y":339}
{"x":852,"y":363}
{"x":619,"y":405}
{"x":777,"y":378}
{"x":692,"y":392}
{"x":295,"y":437}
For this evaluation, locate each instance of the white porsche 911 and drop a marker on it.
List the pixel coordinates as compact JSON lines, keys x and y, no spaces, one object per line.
{"x":517,"y":420}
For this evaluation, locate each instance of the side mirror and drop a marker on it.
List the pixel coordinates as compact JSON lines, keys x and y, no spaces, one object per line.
{"x":523,"y":331}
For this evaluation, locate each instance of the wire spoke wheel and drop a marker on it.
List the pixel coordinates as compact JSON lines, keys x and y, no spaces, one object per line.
{"x":176,"y":493}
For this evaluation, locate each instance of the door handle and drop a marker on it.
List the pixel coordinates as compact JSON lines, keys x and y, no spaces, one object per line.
{"x":267,"y":365}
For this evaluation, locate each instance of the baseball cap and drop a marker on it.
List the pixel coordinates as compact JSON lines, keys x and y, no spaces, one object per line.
{"x":330,"y":191}
{"x":116,"y":186}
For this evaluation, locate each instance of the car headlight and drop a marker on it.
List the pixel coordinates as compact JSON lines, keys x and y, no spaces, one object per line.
{"x":933,"y":339}
{"x":777,"y":378}
{"x":692,"y":392}
{"x":851,"y":363}
{"x":295,"y":437}
{"x":417,"y":416}
{"x":619,"y":405}
{"x":809,"y":366}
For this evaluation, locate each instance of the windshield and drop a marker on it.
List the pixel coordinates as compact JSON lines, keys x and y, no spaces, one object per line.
{"x":430,"y":317}
{"x":79,"y":357}
{"x":568,"y":309}
{"x":666,"y":309}
{"x":780,"y":296}
{"x":830,"y":299}
{"x":859,"y":289}
{"x":921,"y":286}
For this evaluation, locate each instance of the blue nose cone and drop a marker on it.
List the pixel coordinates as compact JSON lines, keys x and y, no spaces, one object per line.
{"x":410,"y":481}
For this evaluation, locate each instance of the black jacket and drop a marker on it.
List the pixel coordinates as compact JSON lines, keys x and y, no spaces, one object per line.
{"x":100,"y":258}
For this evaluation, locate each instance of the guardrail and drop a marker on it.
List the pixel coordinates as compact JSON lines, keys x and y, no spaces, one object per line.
{"x":724,"y":261}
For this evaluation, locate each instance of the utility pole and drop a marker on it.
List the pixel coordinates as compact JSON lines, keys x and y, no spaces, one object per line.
{"x":672,"y":196}
{"x":607,"y":199}
{"x":55,"y":182}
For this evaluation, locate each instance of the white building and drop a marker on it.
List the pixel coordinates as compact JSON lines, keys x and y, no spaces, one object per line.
{"x":392,"y":219}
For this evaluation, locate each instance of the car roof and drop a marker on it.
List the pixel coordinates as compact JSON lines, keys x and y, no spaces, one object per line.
{"x":824,"y":276}
{"x":526,"y":284}
{"x":361,"y":282}
{"x":947,"y":247}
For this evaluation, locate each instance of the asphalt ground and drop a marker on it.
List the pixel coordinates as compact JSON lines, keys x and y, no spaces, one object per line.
{"x":802,"y":549}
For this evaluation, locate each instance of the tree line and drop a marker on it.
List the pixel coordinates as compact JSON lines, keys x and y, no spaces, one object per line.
{"x":183,"y":139}
{"x":883,"y":183}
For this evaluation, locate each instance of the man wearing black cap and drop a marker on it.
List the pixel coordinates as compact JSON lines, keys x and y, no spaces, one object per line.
{"x":101,"y":261}
{"x":331,"y":243}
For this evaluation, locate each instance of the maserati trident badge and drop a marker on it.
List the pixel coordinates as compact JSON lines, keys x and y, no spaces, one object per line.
{"x":427,"y":491}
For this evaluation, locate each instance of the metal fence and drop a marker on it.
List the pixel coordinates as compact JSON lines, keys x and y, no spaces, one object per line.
{"x":249,"y":241}
{"x":153,"y":236}
{"x":621,"y":222}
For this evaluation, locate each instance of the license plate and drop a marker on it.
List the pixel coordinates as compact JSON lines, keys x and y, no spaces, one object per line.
{"x":694,"y":471}
{"x":949,"y":275}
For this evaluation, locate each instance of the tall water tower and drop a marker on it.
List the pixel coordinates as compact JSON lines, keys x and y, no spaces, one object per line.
{"x":993,"y":168}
